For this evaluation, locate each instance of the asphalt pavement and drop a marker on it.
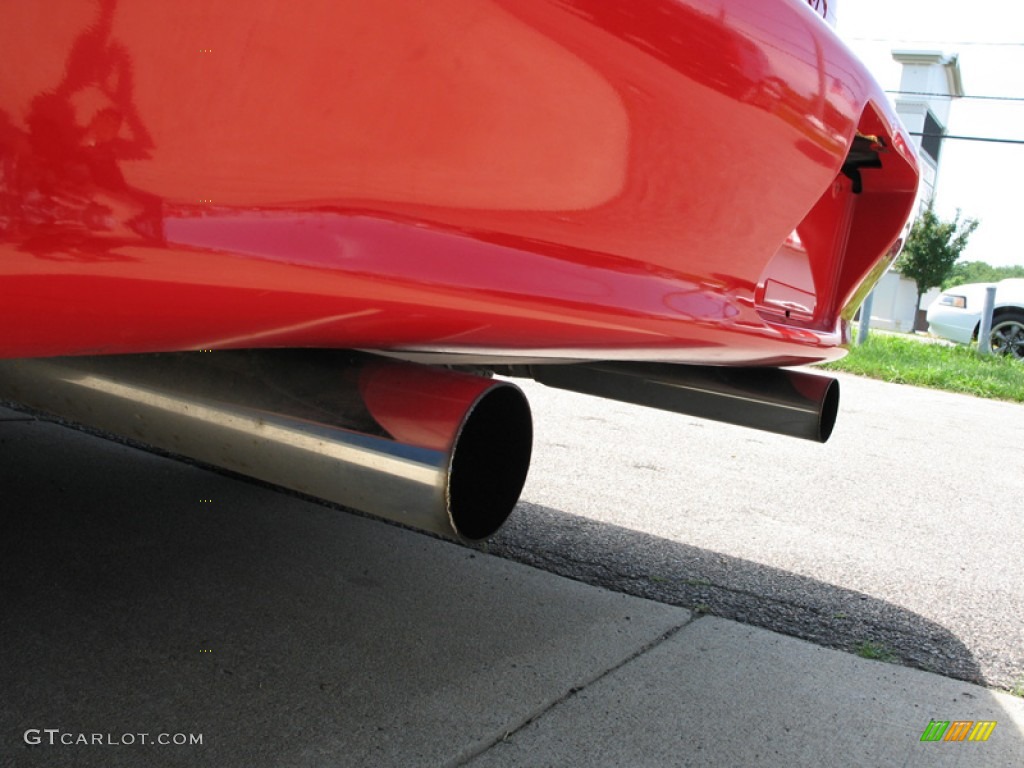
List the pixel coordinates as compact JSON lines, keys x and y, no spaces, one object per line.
{"x":904,"y":532}
{"x":149,"y":600}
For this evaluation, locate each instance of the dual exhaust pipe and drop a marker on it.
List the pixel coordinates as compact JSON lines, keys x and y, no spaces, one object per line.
{"x":775,"y":400}
{"x":433,"y":449}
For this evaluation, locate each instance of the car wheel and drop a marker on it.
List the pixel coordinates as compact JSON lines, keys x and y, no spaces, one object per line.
{"x":1008,"y":335}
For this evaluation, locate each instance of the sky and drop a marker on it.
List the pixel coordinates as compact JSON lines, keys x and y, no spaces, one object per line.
{"x":985,"y":181}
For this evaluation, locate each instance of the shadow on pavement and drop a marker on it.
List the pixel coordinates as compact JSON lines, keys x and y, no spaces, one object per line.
{"x":640,"y":564}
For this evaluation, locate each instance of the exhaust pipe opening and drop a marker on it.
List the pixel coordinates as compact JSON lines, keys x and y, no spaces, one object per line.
{"x":829,"y":411}
{"x":489,"y":463}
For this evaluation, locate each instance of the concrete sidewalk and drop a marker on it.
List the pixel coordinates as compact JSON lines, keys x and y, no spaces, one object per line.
{"x":146,"y":596}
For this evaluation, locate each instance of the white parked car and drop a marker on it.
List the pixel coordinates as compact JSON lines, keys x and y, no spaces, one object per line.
{"x":956,"y":315}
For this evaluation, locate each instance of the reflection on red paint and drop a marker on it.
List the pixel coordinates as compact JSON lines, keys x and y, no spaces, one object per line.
{"x":570,"y":178}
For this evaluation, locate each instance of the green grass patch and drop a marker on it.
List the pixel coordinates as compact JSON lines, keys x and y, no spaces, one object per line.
{"x":876,"y":651}
{"x":955,"y":369}
{"x":1018,"y":687}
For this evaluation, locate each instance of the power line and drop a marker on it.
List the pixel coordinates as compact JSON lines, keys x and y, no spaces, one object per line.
{"x":950,"y":96}
{"x":936,"y":42}
{"x":966,"y":138}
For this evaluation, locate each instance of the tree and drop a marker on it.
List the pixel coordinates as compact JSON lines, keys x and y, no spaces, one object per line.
{"x":932,"y":249}
{"x":979,"y":272}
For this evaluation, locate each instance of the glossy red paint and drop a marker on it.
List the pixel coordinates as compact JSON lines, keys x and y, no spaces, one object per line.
{"x":418,"y":405}
{"x":576,"y":179}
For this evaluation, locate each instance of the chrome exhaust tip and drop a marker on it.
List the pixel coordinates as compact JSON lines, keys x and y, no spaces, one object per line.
{"x":432,"y":449}
{"x":776,"y":400}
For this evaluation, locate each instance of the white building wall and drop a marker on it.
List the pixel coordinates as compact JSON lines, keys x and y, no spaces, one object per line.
{"x":934,"y":73}
{"x":893,"y":307}
{"x":924,"y":72}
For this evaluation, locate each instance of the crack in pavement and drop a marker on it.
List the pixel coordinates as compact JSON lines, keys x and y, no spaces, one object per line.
{"x":472,"y":754}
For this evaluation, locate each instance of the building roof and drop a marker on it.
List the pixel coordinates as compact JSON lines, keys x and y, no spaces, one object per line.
{"x":954,"y":81}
